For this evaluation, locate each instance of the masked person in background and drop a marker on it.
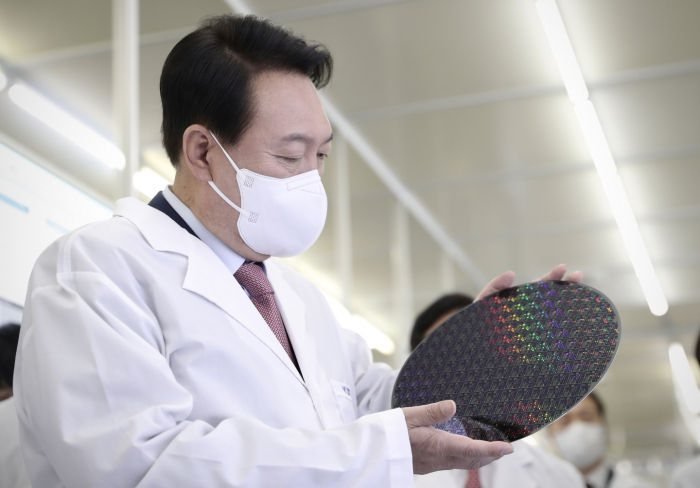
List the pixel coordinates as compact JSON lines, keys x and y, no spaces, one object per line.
{"x":581,"y":437}
{"x":527,"y":467}
{"x":687,"y":475}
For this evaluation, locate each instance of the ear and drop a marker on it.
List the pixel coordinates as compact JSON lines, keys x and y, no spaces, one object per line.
{"x":196,"y":145}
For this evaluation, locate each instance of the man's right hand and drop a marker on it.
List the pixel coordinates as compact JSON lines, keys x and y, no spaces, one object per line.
{"x":434,"y":449}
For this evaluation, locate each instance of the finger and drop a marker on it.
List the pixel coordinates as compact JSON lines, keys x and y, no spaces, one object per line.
{"x":575,"y":277}
{"x":430,"y":414}
{"x":464,"y":447}
{"x":464,"y":463}
{"x":556,"y":274}
{"x":499,"y":283}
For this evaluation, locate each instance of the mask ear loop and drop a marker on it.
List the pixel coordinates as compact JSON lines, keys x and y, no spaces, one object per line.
{"x":225,"y":153}
{"x":216,"y":189}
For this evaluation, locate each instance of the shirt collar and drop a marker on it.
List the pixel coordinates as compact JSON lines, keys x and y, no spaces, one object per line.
{"x":230,"y":258}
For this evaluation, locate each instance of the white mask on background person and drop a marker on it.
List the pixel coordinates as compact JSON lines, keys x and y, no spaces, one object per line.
{"x":279,"y":217}
{"x":582,"y":443}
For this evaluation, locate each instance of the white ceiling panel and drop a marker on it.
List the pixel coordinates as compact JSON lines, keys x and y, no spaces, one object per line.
{"x":415,"y":51}
{"x":609,"y":37}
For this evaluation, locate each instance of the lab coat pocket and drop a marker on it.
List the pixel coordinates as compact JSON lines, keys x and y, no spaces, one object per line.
{"x":346,"y":403}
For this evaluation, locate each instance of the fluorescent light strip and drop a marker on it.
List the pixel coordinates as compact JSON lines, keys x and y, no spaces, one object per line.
{"x":563,"y":52}
{"x":67,"y":125}
{"x":634,"y":243}
{"x":595,"y":139}
{"x":601,"y":155}
{"x":149,"y":182}
{"x":683,"y":377}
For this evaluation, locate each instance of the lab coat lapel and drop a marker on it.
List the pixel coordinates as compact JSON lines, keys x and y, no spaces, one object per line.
{"x":206,"y":275}
{"x":293,"y":312}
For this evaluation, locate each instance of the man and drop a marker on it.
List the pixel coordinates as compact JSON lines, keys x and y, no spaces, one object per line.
{"x":581,"y":437}
{"x":687,"y":475}
{"x":163,"y":348}
{"x":12,"y":471}
{"x":529,"y":466}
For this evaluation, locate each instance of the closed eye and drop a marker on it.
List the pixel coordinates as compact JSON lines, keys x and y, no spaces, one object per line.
{"x":290,"y":159}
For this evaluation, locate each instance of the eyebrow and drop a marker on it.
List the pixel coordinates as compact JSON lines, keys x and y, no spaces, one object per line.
{"x":296,"y":137}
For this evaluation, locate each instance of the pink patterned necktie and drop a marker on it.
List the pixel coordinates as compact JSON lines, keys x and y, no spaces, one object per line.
{"x":473,"y":480}
{"x":254,"y":280}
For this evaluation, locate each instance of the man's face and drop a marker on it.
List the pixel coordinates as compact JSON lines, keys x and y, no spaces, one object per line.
{"x":586,"y":411}
{"x":290,"y":133}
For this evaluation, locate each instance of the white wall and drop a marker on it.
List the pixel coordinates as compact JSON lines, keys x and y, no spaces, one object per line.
{"x":36,"y":208}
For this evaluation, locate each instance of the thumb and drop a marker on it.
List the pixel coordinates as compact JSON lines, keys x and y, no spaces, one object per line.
{"x":431,"y":414}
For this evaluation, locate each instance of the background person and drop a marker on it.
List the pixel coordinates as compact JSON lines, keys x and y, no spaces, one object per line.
{"x":528,"y":465}
{"x":12,"y":471}
{"x":581,"y":437}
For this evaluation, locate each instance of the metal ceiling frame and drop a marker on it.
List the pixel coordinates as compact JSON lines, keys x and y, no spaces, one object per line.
{"x":126,"y":85}
{"x":538,"y":171}
{"x":521,"y":93}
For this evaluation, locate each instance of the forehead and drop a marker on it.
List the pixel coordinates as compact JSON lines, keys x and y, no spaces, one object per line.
{"x":288,"y":103}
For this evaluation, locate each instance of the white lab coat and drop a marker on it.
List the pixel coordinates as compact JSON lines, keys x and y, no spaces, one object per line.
{"x":599,"y":476}
{"x":142,"y":362}
{"x":687,"y":475}
{"x":527,"y":467}
{"x":12,"y":471}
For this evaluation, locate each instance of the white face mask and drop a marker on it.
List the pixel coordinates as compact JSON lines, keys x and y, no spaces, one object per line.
{"x":279,"y":217}
{"x":582,"y":443}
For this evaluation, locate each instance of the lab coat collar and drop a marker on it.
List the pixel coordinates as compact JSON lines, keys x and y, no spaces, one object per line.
{"x":208,"y":277}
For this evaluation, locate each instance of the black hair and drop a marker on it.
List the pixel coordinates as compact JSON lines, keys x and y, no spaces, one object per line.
{"x":9,"y":338}
{"x":206,"y":78}
{"x":697,"y":350}
{"x":598,"y":402}
{"x":427,"y":318}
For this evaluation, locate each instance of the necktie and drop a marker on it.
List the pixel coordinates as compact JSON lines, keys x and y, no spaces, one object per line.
{"x":254,"y":280}
{"x":473,"y":480}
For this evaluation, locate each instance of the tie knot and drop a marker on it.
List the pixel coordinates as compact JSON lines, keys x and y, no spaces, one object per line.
{"x":253,"y":279}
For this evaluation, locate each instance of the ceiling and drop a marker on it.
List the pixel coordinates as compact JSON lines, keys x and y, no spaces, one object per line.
{"x":463,"y":101}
